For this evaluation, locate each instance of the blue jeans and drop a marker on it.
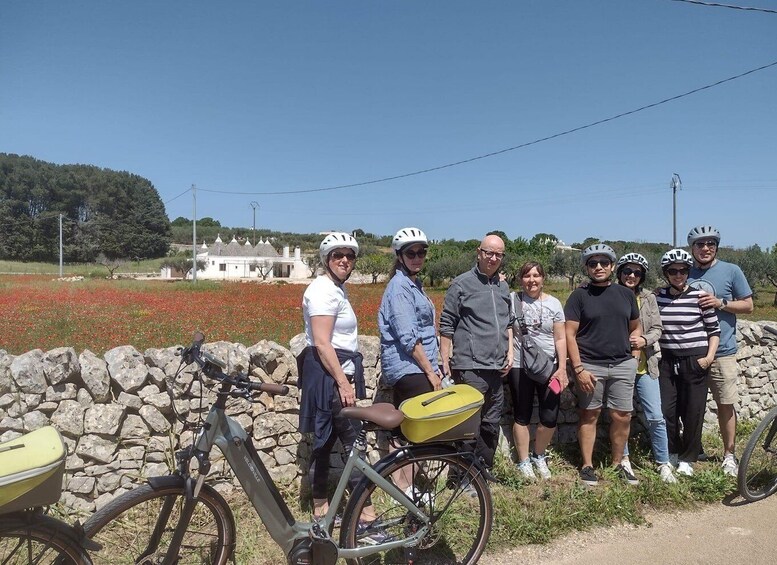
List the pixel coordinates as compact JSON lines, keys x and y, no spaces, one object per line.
{"x":649,"y":394}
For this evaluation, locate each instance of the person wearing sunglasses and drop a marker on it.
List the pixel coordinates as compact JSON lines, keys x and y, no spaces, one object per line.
{"x":601,"y":321}
{"x":688,"y":344}
{"x":726,"y":290}
{"x":474,"y":324}
{"x":406,"y":322}
{"x":630,"y":271}
{"x":330,"y":367}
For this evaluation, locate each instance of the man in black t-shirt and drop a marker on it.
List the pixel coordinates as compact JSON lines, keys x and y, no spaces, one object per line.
{"x":600,"y":318}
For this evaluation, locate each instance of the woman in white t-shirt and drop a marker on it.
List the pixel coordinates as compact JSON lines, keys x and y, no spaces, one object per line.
{"x":544,"y":318}
{"x":331,"y":370}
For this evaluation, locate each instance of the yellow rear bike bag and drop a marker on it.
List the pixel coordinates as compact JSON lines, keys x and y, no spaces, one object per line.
{"x":442,"y":415}
{"x":31,"y":470}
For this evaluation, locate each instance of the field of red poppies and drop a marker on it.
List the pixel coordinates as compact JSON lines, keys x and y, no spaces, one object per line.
{"x":37,"y":312}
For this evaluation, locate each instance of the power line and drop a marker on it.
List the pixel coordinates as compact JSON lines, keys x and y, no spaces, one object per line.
{"x":508,"y":149}
{"x":177,"y":197}
{"x":732,"y":6}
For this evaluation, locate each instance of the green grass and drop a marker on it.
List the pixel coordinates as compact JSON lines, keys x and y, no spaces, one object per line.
{"x":145,"y":266}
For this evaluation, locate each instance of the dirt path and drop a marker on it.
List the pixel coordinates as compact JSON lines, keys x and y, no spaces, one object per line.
{"x":716,"y":534}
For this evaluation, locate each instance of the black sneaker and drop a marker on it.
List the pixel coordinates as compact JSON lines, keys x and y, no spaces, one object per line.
{"x":624,"y":473}
{"x":588,"y":476}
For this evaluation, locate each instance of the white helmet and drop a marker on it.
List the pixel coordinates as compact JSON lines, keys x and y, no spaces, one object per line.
{"x":633,"y":258}
{"x":335,"y":240}
{"x":598,"y":249}
{"x":703,"y":232}
{"x":676,"y":256}
{"x":408,"y":236}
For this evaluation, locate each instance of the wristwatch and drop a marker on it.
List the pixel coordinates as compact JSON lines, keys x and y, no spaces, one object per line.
{"x":723,"y":304}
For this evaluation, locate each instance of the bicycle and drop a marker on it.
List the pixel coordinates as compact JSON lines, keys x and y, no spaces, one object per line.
{"x":757,"y":476}
{"x":181,"y":519}
{"x":30,"y":480}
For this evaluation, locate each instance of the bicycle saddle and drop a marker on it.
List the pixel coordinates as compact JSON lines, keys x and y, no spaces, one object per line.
{"x":383,"y":414}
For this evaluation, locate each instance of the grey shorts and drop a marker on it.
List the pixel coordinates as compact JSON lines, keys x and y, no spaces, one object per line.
{"x":614,"y":387}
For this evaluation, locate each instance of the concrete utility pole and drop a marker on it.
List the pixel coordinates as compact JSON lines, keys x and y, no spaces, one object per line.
{"x":676,"y":184}
{"x":254,"y":205}
{"x":194,"y":234}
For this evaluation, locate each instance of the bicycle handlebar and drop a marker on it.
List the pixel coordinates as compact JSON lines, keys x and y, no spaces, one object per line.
{"x":212,"y":367}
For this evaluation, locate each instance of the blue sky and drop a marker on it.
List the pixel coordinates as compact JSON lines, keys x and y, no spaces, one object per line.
{"x":259,"y":97}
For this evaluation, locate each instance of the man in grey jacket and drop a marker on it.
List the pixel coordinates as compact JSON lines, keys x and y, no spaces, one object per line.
{"x":475,"y":321}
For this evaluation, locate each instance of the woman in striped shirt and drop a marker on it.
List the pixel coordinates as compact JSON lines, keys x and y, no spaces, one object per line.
{"x":688,"y":344}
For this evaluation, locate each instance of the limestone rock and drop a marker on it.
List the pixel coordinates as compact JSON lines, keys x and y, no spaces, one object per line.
{"x":69,"y":418}
{"x":94,"y":374}
{"x":154,"y":418}
{"x":60,"y":365}
{"x":127,"y":368}
{"x":96,"y":448}
{"x":104,"y":419}
{"x":27,"y":372}
{"x":61,"y":391}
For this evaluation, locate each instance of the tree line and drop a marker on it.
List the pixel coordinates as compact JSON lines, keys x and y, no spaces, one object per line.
{"x":105,"y":213}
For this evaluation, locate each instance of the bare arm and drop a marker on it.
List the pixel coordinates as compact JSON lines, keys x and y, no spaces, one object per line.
{"x":433,"y":375}
{"x":322,"y":327}
{"x":635,"y":334}
{"x":560,"y":340}
{"x":510,"y":352}
{"x":738,"y":306}
{"x":585,"y":379}
{"x":445,"y":354}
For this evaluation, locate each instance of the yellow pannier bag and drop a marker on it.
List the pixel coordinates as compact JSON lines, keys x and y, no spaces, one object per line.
{"x":442,"y":415}
{"x":31,"y":470}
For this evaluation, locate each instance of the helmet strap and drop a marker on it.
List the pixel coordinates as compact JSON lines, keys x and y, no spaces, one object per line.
{"x":332,"y":274}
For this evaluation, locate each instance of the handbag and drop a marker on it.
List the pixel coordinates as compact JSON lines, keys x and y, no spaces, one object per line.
{"x":537,"y":364}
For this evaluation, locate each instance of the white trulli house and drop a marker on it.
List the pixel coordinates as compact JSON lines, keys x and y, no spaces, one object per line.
{"x":236,"y":260}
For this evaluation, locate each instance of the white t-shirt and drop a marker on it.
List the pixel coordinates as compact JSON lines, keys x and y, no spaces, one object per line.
{"x":540,"y":315}
{"x":324,"y":298}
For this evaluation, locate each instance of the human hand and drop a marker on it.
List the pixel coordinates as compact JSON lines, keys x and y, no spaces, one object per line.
{"x":347,"y":397}
{"x":707,"y":301}
{"x":561,"y":376}
{"x":586,"y":381}
{"x":705,"y":362}
{"x":435,"y":379}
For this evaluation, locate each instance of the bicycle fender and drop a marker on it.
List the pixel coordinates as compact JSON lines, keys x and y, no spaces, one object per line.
{"x":166,"y":481}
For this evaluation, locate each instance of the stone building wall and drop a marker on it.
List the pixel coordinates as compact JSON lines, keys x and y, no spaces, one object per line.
{"x":118,"y":417}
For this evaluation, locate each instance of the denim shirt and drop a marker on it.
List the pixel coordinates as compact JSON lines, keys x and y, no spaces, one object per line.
{"x":406,"y":316}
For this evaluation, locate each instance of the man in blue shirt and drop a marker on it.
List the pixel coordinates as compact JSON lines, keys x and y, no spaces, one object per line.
{"x":726,"y":289}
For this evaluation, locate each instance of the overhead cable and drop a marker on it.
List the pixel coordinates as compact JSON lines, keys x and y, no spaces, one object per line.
{"x":508,"y":149}
{"x":732,"y":6}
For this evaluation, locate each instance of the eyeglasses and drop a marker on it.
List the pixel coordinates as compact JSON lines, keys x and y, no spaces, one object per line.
{"x":629,"y":271}
{"x":702,"y":244}
{"x":674,"y":272}
{"x":410,"y":254}
{"x":337,"y":255}
{"x":592,"y":263}
{"x":492,"y":254}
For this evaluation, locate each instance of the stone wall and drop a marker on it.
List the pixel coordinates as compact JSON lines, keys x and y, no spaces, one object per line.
{"x":119,"y":421}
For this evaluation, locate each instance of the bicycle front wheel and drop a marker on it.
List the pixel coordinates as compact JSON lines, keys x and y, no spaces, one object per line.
{"x":25,"y":542}
{"x":446,"y":487}
{"x":137,"y":527}
{"x":757,"y":476}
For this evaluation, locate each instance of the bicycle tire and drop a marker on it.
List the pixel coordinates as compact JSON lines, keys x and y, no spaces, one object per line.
{"x":461,"y":524}
{"x":757,"y":477}
{"x":41,"y":541}
{"x":126,"y":526}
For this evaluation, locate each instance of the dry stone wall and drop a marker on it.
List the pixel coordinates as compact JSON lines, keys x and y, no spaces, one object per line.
{"x":117,"y":413}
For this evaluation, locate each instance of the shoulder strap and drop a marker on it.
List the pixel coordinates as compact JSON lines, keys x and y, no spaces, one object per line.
{"x":518,"y":308}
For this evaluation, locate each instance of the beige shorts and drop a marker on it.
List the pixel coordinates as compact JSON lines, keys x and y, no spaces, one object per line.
{"x":723,"y":380}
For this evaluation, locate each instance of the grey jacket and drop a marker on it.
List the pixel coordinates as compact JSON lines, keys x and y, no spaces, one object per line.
{"x":652,"y":329}
{"x":475,"y":315}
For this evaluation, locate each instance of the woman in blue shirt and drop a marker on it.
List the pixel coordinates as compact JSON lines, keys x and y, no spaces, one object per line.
{"x":406,"y":321}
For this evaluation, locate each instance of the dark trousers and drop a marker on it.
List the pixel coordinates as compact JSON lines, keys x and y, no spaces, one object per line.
{"x":346,"y":431}
{"x":489,"y":383}
{"x":683,"y":386}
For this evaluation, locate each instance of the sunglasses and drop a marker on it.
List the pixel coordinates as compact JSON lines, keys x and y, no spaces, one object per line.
{"x":337,"y":255}
{"x":410,"y":254}
{"x":673,"y":272}
{"x":493,"y":254}
{"x":703,"y":244}
{"x":629,"y":271}
{"x":592,"y":263}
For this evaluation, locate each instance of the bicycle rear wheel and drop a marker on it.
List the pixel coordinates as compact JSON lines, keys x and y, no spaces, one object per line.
{"x":23,"y":542}
{"x":757,"y":476}
{"x":445,"y":486}
{"x":137,"y":527}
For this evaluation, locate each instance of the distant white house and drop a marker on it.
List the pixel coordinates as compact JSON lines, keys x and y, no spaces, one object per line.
{"x":236,"y":260}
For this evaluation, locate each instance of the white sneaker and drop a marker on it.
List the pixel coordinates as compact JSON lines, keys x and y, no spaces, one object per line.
{"x":541,"y":464}
{"x":730,"y":465}
{"x":665,"y":471}
{"x":626,"y":464}
{"x":524,"y":467}
{"x":684,"y":468}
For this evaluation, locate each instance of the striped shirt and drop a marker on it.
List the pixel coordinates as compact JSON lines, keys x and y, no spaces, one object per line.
{"x":687,"y":328}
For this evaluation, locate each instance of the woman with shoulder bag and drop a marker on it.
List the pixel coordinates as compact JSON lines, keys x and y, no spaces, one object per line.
{"x":538,"y":322}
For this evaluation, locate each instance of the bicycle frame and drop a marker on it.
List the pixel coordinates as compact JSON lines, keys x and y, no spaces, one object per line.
{"x":239,"y":451}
